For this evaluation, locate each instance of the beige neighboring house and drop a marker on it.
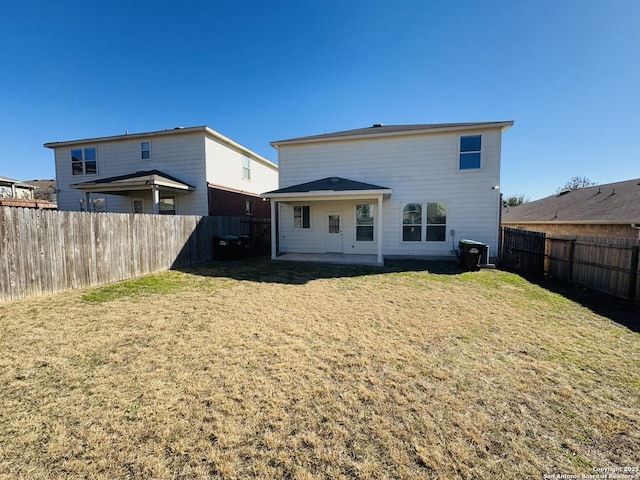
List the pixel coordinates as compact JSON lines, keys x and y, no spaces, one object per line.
{"x":10,"y":188}
{"x":182,"y":171}
{"x":611,"y":211}
{"x":14,"y":193}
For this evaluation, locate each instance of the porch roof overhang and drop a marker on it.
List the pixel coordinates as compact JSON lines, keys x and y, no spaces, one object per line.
{"x":326,"y":189}
{"x":142,"y":180}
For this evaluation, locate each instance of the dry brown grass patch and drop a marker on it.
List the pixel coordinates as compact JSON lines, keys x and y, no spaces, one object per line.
{"x":270,"y":370}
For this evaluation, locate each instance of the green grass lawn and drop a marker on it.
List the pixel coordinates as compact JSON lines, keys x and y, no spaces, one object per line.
{"x":263,"y":369}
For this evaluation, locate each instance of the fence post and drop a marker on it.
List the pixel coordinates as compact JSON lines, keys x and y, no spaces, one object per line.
{"x":633,"y":272}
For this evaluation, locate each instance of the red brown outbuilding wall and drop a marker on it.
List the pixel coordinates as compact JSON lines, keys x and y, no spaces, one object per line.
{"x":230,"y":203}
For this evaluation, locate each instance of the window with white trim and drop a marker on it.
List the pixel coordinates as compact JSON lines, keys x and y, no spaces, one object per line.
{"x":84,"y":161}
{"x":436,"y":222}
{"x":302,"y":216}
{"x":470,"y":152}
{"x":145,"y":150}
{"x":248,"y":207}
{"x":167,"y":205}
{"x":412,"y":222}
{"x":365,"y":219}
{"x":137,"y":205}
{"x":246,"y":168}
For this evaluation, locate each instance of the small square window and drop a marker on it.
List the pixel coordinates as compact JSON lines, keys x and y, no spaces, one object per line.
{"x":84,"y":161}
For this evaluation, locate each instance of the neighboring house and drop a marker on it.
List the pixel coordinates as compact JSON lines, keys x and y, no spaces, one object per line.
{"x":407,"y":190}
{"x":14,"y":193}
{"x":184,"y":171}
{"x":10,"y":188}
{"x":611,"y":210}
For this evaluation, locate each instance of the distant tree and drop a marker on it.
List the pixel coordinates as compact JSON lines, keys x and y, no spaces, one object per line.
{"x":514,"y":200}
{"x":576,"y":183}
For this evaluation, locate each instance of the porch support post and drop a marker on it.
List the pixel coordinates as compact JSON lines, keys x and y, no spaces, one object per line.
{"x":155,"y":190}
{"x":274,"y":233}
{"x":379,"y":217}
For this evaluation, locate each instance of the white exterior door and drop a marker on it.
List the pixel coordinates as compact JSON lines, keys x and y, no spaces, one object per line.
{"x":334,"y":233}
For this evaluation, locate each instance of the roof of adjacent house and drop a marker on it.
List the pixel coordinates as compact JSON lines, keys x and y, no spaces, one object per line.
{"x":379,"y":130}
{"x":329,"y":184}
{"x":6,"y":181}
{"x":143,"y":178}
{"x":611,"y":203}
{"x":175,"y":131}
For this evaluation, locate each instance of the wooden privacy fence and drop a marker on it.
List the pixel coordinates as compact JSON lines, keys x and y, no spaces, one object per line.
{"x":523,"y":250}
{"x":48,"y":251}
{"x":606,"y":264}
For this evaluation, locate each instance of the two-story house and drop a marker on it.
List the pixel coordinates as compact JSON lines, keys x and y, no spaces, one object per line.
{"x":405,"y":190}
{"x":185,"y":171}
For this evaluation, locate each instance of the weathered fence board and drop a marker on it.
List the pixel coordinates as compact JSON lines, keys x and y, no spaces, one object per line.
{"x":45,"y":251}
{"x":605,"y":264}
{"x":523,"y":250}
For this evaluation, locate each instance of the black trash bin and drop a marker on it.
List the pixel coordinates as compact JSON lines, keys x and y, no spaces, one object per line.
{"x":225,"y":248}
{"x":244,"y":246}
{"x":470,"y":254}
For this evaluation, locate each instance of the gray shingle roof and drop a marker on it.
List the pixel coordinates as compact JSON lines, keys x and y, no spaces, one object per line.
{"x":135,"y":175}
{"x":611,"y":203}
{"x":380,"y":129}
{"x":331,"y":184}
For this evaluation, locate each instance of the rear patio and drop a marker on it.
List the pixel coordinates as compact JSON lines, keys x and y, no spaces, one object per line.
{"x":335,"y":258}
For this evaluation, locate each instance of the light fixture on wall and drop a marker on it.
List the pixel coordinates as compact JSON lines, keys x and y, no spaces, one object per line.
{"x":495,"y":187}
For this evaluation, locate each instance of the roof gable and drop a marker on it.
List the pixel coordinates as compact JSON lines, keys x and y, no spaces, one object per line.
{"x":329,"y":184}
{"x":610,"y":203}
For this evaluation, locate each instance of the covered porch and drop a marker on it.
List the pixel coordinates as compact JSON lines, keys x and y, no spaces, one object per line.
{"x":141,"y":182}
{"x":331,"y":220}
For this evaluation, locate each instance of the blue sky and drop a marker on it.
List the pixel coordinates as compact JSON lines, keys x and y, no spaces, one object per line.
{"x":566,"y":71}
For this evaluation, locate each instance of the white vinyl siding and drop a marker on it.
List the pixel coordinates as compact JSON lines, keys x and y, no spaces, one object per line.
{"x":226,"y":167}
{"x":418,"y":168}
{"x":181,"y":156}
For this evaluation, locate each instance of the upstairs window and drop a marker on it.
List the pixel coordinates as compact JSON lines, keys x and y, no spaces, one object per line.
{"x":365,"y":215}
{"x":302,"y":216}
{"x":470,"y":148}
{"x":246,"y":168}
{"x":84,"y":161}
{"x":145,"y":150}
